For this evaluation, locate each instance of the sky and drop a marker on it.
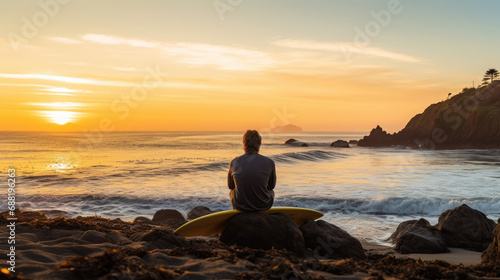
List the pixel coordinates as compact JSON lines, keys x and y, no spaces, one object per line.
{"x":232,"y":65}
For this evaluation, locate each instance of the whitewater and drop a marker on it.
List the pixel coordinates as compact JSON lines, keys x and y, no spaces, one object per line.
{"x":366,"y":191}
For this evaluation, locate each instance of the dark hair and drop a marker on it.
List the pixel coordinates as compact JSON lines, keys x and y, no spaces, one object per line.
{"x":252,"y":141}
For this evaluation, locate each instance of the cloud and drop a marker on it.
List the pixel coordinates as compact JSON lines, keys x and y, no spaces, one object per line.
{"x":195,"y":54}
{"x":221,"y":57}
{"x":65,"y":40}
{"x":58,"y":105}
{"x":345,"y":48}
{"x":126,"y":69}
{"x":112,"y":40}
{"x":60,"y":90}
{"x":66,"y":79}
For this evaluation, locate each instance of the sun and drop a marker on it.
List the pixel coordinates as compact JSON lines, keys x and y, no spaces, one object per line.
{"x":59,"y":117}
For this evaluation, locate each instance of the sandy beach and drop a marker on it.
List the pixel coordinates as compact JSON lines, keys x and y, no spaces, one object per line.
{"x":95,"y":248}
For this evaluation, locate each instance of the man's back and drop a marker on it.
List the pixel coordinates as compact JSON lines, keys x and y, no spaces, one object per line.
{"x":252,"y":178}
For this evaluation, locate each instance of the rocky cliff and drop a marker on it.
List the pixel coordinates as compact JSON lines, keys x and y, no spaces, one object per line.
{"x":470,"y":119}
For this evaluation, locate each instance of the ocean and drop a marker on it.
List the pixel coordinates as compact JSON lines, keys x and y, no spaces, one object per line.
{"x":366,"y":191}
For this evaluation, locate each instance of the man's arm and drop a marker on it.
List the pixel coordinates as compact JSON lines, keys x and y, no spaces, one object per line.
{"x":230,"y":180}
{"x":272,"y":178}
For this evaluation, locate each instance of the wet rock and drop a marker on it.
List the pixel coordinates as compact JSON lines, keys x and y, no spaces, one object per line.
{"x":198,"y":211}
{"x":464,"y":227}
{"x":264,"y":231}
{"x":418,"y":236}
{"x":353,"y":142}
{"x":492,"y":253}
{"x":327,"y":240}
{"x":296,"y":143}
{"x":143,"y":220}
{"x":168,"y":216}
{"x":340,"y":144}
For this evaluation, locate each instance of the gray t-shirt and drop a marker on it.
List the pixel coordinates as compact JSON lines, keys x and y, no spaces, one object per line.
{"x":252,"y":178}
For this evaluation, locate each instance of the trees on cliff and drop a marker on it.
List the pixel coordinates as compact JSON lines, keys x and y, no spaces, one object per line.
{"x":490,"y":75}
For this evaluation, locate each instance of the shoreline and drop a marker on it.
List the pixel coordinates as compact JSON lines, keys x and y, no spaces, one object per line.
{"x":456,"y":256}
{"x":61,"y":248}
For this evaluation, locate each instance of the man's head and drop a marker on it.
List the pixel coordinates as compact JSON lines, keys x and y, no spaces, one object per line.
{"x":252,"y":141}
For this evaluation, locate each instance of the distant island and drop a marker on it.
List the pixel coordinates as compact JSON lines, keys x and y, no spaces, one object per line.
{"x":287,"y":128}
{"x":470,"y":119}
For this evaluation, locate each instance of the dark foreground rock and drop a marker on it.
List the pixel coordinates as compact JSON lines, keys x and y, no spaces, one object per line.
{"x":168,"y":216}
{"x":464,"y":227}
{"x":340,"y":144}
{"x":296,"y":143}
{"x":418,"y":236}
{"x":198,"y":211}
{"x":492,"y":253}
{"x":327,"y":240}
{"x":264,"y":231}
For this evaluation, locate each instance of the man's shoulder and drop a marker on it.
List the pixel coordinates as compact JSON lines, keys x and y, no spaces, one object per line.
{"x":250,"y":157}
{"x":265,"y":159}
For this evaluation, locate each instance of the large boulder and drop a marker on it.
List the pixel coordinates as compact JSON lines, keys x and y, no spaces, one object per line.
{"x":198,"y":211}
{"x":264,"y":231}
{"x":464,"y":227}
{"x":168,"y":217}
{"x":340,"y":144}
{"x":418,"y":236}
{"x":492,"y":253}
{"x":296,"y":143}
{"x":327,"y":240}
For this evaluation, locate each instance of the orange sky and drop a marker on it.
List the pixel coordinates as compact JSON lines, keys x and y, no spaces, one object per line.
{"x":175,"y":66}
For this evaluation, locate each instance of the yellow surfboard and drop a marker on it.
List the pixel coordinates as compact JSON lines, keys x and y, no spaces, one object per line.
{"x":217,"y":222}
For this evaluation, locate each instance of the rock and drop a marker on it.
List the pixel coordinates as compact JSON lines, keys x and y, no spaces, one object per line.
{"x":168,"y":216}
{"x":378,"y":137}
{"x":264,"y":231}
{"x":331,"y":241}
{"x":353,"y":142}
{"x":340,"y":144}
{"x":418,"y":236}
{"x":198,"y":211}
{"x":296,"y":143}
{"x":492,"y":253}
{"x":143,"y":220}
{"x":464,"y":227}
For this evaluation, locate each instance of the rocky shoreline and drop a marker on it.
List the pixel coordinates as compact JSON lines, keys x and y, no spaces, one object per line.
{"x":94,"y":247}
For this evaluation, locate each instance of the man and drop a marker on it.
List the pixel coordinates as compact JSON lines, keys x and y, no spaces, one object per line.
{"x":251,"y":177}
